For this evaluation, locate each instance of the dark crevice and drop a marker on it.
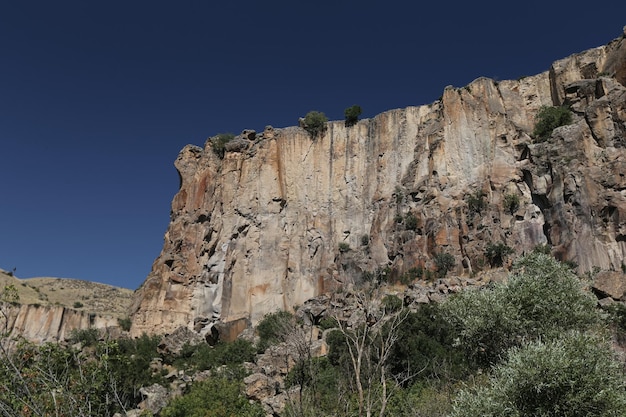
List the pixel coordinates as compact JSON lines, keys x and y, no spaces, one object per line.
{"x":541,"y":201}
{"x":546,"y":231}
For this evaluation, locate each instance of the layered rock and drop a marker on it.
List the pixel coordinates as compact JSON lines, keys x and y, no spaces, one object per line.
{"x":284,"y":217}
{"x":41,"y":324}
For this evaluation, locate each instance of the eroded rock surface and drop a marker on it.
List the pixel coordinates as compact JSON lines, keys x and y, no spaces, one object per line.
{"x":283,"y":218}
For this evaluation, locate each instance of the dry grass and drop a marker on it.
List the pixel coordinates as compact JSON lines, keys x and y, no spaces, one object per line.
{"x":94,"y":297}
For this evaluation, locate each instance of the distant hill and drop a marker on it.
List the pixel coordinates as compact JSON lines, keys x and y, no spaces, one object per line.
{"x":78,"y":294}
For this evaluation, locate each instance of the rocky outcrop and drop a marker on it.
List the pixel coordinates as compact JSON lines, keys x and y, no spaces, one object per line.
{"x":41,"y":324}
{"x":284,"y":217}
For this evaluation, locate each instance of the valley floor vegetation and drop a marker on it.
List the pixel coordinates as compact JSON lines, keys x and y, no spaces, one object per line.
{"x":535,"y":345}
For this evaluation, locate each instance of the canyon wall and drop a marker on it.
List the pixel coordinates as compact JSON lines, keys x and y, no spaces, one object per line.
{"x":40,"y":324}
{"x":284,"y":217}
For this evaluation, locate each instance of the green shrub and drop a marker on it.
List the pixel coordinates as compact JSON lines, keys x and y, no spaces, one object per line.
{"x":576,"y":375}
{"x":125,"y":323}
{"x":218,"y":143}
{"x":476,"y":202}
{"x":444,"y":263}
{"x":392,"y":303}
{"x":411,"y":275}
{"x":86,"y":337}
{"x":410,"y":222}
{"x":543,"y":248}
{"x":548,"y":119}
{"x":496,"y":253}
{"x":327,"y":323}
{"x":216,"y":397}
{"x":541,"y":299}
{"x":425,"y":349}
{"x":511,"y":203}
{"x":315,"y":123}
{"x":78,"y":304}
{"x":204,"y":357}
{"x":352,"y":114}
{"x":273,"y":328}
{"x":344,"y":247}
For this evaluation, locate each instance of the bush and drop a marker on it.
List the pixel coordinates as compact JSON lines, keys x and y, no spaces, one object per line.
{"x":576,"y":375}
{"x":444,"y":263}
{"x":352,"y":114}
{"x":78,"y":304}
{"x":344,"y":247}
{"x":541,"y":299}
{"x":543,"y":248}
{"x":205,"y":357}
{"x":86,"y":337}
{"x":273,"y":328}
{"x":425,"y":347}
{"x":218,"y":143}
{"x":511,"y":203}
{"x":315,"y":123}
{"x":476,"y":202}
{"x":124,"y":323}
{"x":548,"y":119}
{"x":496,"y":253}
{"x":392,"y":303}
{"x":216,"y":397}
{"x":410,"y":222}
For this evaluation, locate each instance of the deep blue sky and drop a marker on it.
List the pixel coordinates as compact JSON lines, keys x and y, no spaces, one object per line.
{"x":97,"y":98}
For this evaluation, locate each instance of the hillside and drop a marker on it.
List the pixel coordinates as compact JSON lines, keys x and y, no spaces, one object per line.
{"x":77,"y":294}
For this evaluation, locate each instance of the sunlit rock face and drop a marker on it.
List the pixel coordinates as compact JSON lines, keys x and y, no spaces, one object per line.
{"x":284,"y":217}
{"x":41,"y":324}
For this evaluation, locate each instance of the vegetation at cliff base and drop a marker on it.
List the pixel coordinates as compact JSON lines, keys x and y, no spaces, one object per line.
{"x":535,"y":344}
{"x":573,"y":375}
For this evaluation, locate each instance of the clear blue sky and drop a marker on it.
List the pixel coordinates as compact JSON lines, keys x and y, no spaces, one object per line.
{"x":97,"y":98}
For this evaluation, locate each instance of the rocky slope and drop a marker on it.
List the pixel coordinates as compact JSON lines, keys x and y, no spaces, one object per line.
{"x":284,"y":217}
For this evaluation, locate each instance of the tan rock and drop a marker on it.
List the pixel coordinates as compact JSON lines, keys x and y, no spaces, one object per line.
{"x":259,"y":230}
{"x":611,"y":284}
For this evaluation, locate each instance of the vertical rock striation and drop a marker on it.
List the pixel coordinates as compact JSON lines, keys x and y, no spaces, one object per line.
{"x":260,"y":229}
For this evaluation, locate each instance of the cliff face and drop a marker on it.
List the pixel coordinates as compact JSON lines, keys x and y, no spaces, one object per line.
{"x":260,"y":229}
{"x":41,"y":324}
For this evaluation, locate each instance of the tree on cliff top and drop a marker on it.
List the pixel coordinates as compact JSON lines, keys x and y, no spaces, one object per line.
{"x":315,"y":123}
{"x":352,"y":114}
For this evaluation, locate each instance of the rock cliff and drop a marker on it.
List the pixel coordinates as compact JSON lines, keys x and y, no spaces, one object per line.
{"x":283,"y":217}
{"x":40,"y":324}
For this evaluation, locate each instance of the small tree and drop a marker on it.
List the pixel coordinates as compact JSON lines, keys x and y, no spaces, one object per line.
{"x":218,"y":143}
{"x":365,"y":345}
{"x":496,"y":253}
{"x":315,"y":123}
{"x":444,"y":263}
{"x":511,"y":203}
{"x":352,"y":114}
{"x":476,"y":202}
{"x":548,"y":119}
